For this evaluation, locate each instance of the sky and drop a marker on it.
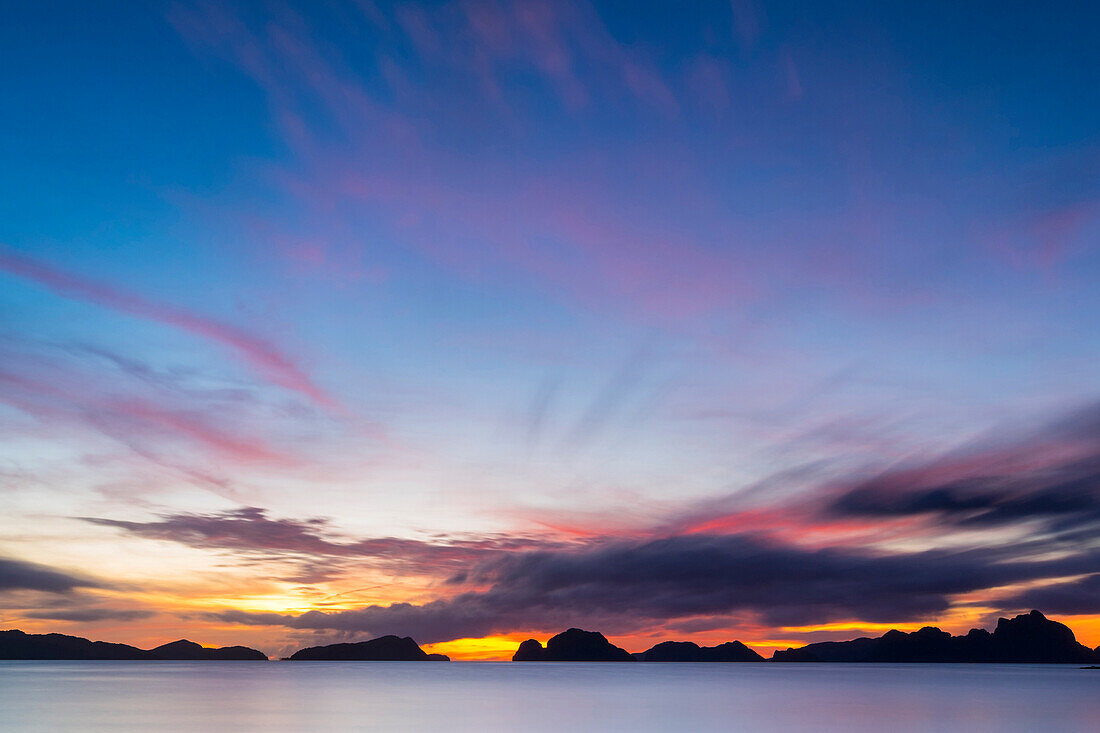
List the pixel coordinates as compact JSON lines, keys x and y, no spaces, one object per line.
{"x":476,"y":320}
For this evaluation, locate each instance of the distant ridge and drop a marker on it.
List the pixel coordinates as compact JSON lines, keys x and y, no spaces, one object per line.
{"x":383,"y":649}
{"x":1030,"y":637}
{"x":15,"y":644}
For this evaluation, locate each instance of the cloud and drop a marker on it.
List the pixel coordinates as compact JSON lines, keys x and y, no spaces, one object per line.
{"x":21,"y":575}
{"x":791,"y":561}
{"x":172,"y":418}
{"x":258,"y":353}
{"x":1051,"y":476}
{"x":250,"y":531}
{"x":375,"y":143}
{"x":623,"y":586}
{"x":763,"y":562}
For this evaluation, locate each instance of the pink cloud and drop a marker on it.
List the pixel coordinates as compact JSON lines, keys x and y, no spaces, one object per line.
{"x":625,"y":227}
{"x":59,"y":396}
{"x":197,"y":429}
{"x":256,"y":352}
{"x":560,"y":230}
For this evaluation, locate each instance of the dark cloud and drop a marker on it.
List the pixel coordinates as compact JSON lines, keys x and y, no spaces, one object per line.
{"x":622,"y":587}
{"x":1074,"y":597}
{"x":1052,"y":477}
{"x":318,"y":551}
{"x":20,"y":575}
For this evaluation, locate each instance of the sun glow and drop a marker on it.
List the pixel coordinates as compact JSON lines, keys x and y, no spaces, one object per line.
{"x":485,"y":649}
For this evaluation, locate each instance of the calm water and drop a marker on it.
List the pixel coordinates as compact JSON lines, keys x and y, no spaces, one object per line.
{"x":401,"y":696}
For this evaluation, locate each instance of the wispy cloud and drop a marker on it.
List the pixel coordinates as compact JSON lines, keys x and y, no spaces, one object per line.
{"x":263,"y":357}
{"x":174,"y":421}
{"x":368,"y":146}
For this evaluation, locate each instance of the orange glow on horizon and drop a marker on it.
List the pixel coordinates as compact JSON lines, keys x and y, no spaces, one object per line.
{"x":854,"y":626}
{"x":484,"y":649}
{"x":1085,"y":628}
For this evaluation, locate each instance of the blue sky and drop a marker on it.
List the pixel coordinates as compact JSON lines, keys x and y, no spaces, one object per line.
{"x":568,"y":273}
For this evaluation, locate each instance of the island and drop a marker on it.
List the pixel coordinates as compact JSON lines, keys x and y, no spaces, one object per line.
{"x":190,"y":651}
{"x":15,"y":644}
{"x":1027,"y":638}
{"x":388,"y":648}
{"x":687,"y":651}
{"x":572,"y":645}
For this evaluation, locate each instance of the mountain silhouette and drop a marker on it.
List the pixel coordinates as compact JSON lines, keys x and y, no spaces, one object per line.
{"x":383,"y":649}
{"x":1030,"y":637}
{"x":687,"y":651}
{"x":573,"y":645}
{"x":15,"y":644}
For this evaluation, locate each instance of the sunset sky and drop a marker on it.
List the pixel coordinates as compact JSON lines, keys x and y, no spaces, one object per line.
{"x":472,"y":321}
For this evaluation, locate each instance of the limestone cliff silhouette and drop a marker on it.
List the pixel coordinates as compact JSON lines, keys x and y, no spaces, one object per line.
{"x":383,"y":649}
{"x":1030,"y":637}
{"x":573,"y":645}
{"x":15,"y":644}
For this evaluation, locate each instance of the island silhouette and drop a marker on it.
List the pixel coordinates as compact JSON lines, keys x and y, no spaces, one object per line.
{"x":15,"y":644}
{"x":572,"y":645}
{"x":1027,"y":638}
{"x":1030,"y":637}
{"x":383,"y":649}
{"x":688,"y":651}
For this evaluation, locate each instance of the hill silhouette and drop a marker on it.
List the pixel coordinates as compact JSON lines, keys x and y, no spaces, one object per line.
{"x":15,"y":644}
{"x":1030,"y":637}
{"x":687,"y":651}
{"x":573,"y":645}
{"x":383,"y":649}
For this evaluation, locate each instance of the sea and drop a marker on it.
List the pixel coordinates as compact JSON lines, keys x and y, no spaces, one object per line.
{"x":486,"y":696}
